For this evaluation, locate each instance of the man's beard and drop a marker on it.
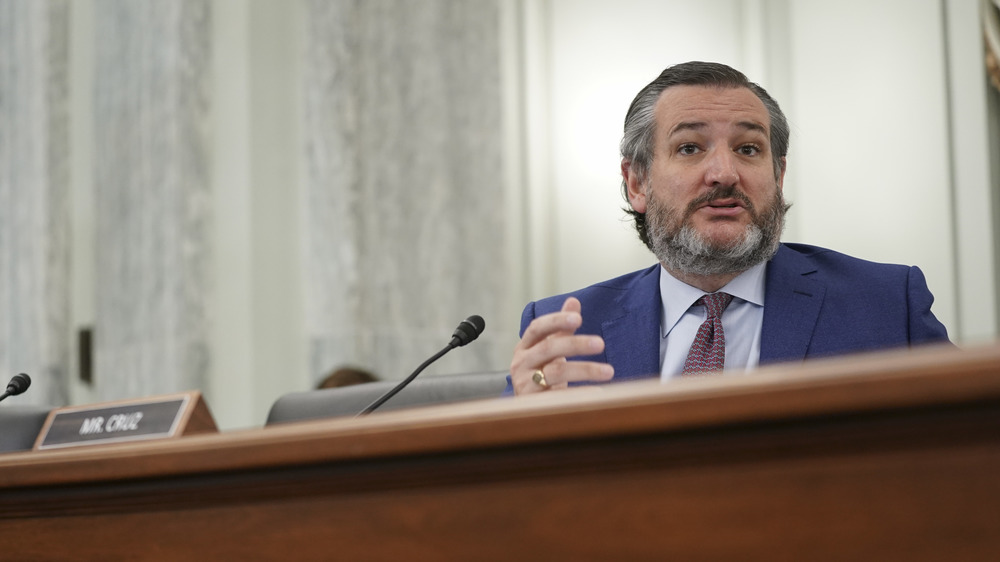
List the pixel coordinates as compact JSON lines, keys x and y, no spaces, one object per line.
{"x":681,"y":248}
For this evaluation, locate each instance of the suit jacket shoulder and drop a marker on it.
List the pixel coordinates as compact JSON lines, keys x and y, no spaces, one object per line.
{"x":819,"y":302}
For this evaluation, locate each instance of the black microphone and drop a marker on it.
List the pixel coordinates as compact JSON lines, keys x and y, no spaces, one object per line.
{"x":468,"y":330}
{"x":17,"y":385}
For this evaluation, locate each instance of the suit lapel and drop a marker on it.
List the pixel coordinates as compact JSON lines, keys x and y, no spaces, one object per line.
{"x":632,"y":338}
{"x":792,"y":302}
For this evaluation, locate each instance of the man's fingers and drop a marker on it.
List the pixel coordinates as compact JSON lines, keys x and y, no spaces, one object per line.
{"x":571,"y":304}
{"x":548,"y":325}
{"x":559,"y":374}
{"x":546,"y":344}
{"x":566,"y":321}
{"x":561,"y":347}
{"x":563,"y":372}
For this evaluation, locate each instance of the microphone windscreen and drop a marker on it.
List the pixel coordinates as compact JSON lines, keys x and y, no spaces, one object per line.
{"x":468,"y":330}
{"x":18,"y":384}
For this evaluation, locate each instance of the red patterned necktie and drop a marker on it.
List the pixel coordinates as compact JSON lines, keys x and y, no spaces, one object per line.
{"x":708,"y":352}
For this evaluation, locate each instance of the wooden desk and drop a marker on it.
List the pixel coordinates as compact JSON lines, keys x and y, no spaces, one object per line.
{"x":887,"y":457}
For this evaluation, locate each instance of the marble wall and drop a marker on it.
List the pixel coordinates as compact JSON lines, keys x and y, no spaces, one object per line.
{"x":399,"y":165}
{"x":34,"y":152}
{"x":404,"y":188}
{"x":151,"y":194}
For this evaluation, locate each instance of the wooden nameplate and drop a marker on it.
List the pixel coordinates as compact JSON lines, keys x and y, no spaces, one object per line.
{"x":157,"y":417}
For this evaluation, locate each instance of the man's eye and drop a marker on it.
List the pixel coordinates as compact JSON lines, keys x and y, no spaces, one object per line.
{"x":687,"y":149}
{"x":748,"y":150}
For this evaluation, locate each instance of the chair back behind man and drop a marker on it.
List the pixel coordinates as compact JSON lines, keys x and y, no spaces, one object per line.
{"x":350,"y":400}
{"x":20,"y":425}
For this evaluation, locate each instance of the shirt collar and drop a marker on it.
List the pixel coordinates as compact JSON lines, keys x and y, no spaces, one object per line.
{"x":677,"y":296}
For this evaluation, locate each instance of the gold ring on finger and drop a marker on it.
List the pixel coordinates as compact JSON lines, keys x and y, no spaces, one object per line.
{"x":539,"y":377}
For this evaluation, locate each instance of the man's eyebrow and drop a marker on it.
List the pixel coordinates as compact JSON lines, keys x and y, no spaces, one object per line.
{"x":687,"y":126}
{"x":753,"y":126}
{"x":698,"y":125}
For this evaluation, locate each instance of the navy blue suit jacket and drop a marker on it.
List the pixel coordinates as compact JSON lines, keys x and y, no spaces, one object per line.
{"x":817,"y":303}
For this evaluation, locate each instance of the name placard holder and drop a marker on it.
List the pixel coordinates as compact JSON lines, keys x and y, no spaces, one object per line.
{"x":157,"y":417}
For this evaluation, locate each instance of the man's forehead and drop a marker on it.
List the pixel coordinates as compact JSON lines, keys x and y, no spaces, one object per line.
{"x":690,"y":105}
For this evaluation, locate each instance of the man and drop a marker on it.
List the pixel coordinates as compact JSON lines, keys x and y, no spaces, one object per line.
{"x":703,"y":161}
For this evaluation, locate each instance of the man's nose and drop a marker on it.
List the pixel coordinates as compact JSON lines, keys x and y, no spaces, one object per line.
{"x":721,"y":169}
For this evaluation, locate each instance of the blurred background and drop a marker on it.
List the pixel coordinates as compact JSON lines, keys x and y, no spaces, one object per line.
{"x":239,"y":196}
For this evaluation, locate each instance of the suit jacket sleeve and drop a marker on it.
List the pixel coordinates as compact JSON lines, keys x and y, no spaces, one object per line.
{"x":924,"y":326}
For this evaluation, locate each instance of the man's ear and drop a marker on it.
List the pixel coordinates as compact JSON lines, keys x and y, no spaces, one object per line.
{"x":633,"y":186}
{"x":781,"y":176}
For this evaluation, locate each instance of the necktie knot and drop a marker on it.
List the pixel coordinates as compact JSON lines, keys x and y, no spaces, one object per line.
{"x":715,"y":303}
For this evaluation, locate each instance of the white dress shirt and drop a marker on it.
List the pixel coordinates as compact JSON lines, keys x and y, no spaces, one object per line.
{"x":741,"y":321}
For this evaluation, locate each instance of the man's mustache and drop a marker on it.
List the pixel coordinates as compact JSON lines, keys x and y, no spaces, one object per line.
{"x":728,"y":192}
